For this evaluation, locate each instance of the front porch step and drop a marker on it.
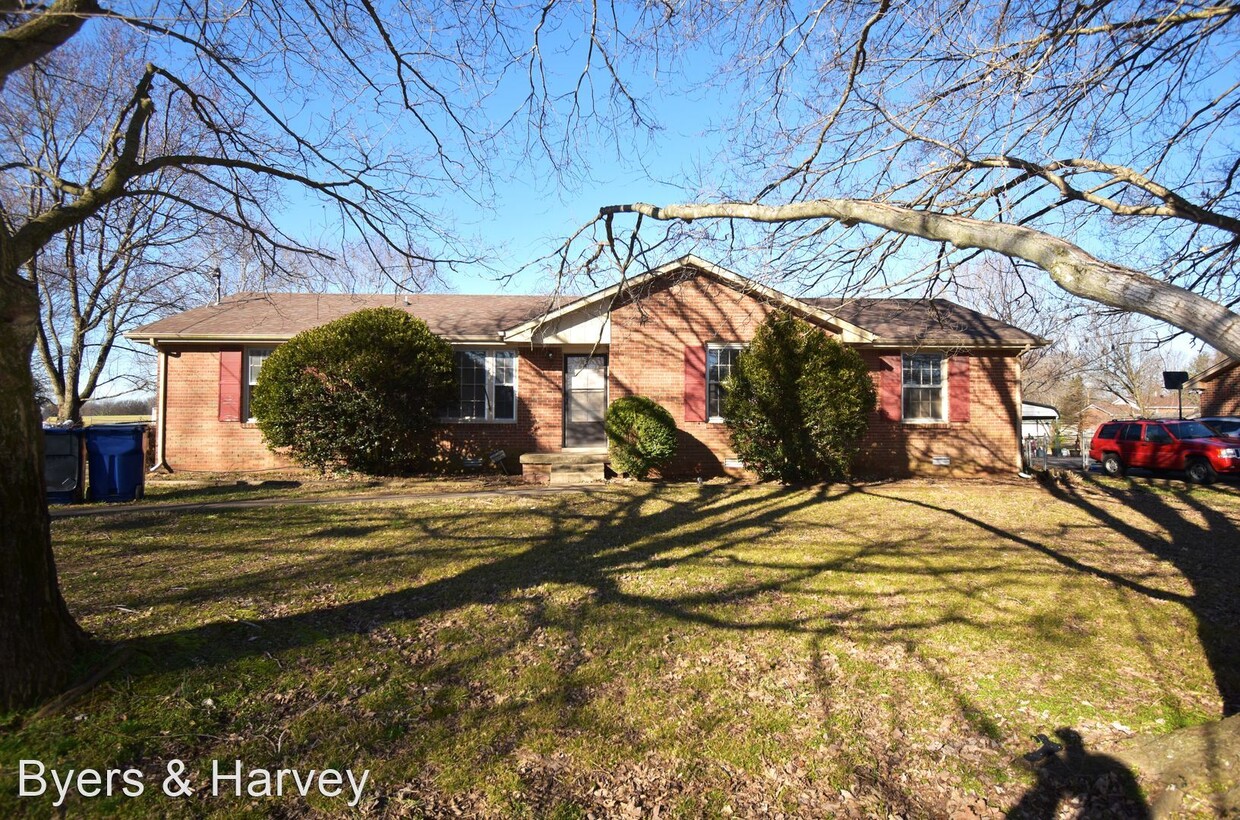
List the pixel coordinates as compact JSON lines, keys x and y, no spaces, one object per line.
{"x":559,"y":469}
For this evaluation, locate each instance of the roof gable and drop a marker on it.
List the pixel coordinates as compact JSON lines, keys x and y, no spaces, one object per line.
{"x":589,"y":306}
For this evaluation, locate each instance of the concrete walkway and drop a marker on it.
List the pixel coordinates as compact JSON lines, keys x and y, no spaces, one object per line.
{"x":277,"y":501}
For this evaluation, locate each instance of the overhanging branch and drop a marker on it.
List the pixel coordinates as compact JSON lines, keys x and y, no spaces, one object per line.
{"x":1073,"y":269}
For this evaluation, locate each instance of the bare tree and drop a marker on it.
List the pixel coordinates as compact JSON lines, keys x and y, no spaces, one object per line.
{"x":1009,"y":291}
{"x":130,"y":261}
{"x":1083,"y":139}
{"x":1126,"y":364}
{"x":407,"y":117}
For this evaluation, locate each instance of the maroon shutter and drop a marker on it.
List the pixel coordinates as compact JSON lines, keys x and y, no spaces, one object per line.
{"x":230,"y":385}
{"x":890,"y":388}
{"x":958,"y":387}
{"x":695,"y":384}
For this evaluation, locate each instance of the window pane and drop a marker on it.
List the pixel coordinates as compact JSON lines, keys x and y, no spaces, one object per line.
{"x":254,"y":363}
{"x":719,"y":364}
{"x":587,"y":373}
{"x":505,"y":401}
{"x":922,"y":376}
{"x":471,"y":375}
{"x":505,"y":368}
{"x":589,"y":406}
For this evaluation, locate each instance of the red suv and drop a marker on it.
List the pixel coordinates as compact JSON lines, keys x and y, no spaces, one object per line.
{"x":1164,"y":444}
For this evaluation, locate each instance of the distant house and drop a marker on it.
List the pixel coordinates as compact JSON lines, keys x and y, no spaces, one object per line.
{"x":1220,"y":388}
{"x":536,"y":374}
{"x":1036,"y":419}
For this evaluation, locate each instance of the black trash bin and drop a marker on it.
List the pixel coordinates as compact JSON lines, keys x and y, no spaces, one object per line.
{"x":64,"y":465}
{"x":117,"y":461}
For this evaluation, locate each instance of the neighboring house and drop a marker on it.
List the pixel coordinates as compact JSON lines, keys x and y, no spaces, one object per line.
{"x":1036,"y":419}
{"x":1097,"y":414}
{"x":1220,"y":388}
{"x":536,"y":375}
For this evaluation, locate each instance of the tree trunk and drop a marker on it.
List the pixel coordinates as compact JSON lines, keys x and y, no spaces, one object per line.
{"x":38,"y":637}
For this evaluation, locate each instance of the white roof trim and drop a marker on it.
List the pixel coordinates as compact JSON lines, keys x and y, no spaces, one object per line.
{"x":851,"y":333}
{"x":1210,"y":372}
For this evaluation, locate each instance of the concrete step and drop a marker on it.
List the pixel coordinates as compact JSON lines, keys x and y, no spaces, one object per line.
{"x":564,"y":468}
{"x":576,"y":474}
{"x":566,"y":458}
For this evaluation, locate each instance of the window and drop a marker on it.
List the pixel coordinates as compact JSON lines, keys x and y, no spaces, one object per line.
{"x":1107,"y":431}
{"x":487,"y":386}
{"x":719,"y":363}
{"x":254,"y":359}
{"x":923,"y":387}
{"x":1190,"y":429}
{"x":1157,"y":434}
{"x":1131,"y":432}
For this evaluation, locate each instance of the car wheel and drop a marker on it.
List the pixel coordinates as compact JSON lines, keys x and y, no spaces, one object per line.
{"x":1112,"y":466}
{"x":1200,"y":472}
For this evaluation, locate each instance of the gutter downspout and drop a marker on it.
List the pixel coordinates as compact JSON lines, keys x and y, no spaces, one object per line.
{"x":161,"y":411}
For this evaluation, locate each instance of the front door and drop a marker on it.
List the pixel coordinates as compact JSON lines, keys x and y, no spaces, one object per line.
{"x":585,"y":401}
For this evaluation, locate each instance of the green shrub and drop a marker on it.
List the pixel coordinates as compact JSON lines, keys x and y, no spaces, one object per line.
{"x":362,"y":392}
{"x":641,"y":435}
{"x":797,"y":402}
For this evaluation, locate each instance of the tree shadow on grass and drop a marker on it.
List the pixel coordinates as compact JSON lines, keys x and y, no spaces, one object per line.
{"x":1202,"y":543}
{"x":595,"y":547}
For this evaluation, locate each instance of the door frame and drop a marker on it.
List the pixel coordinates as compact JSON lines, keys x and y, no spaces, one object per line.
{"x":565,"y":393}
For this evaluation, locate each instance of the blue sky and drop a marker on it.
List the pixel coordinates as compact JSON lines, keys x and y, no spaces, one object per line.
{"x":531,"y":210}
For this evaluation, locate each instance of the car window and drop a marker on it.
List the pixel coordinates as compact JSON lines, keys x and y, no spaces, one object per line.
{"x":1157,"y":434}
{"x":1107,"y":431}
{"x":1132,"y":432}
{"x":1189,"y":429}
{"x":1225,"y":426}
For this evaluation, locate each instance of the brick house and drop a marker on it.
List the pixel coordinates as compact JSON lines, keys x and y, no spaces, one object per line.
{"x":1220,"y":388}
{"x":536,"y":374}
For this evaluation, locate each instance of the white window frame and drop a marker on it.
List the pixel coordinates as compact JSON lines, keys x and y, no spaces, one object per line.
{"x":717,"y":346}
{"x":944,"y":380}
{"x":489,"y":355}
{"x":246,"y":384}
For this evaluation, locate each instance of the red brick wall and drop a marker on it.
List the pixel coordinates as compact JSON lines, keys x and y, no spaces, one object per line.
{"x":1221,"y":396}
{"x":540,"y":423}
{"x":989,"y":442}
{"x":648,"y":338}
{"x":196,"y":440}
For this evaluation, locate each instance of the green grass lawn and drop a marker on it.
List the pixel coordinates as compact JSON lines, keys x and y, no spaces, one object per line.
{"x":714,"y":651}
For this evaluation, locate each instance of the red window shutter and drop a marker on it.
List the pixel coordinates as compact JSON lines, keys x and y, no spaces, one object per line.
{"x":230,"y":385}
{"x":890,"y":388}
{"x":958,"y":397}
{"x":695,"y":384}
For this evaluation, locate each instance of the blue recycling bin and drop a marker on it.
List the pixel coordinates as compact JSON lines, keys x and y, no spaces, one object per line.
{"x":117,"y":461}
{"x":64,"y":465}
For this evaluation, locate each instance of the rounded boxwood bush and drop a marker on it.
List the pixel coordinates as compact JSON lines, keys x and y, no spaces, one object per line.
{"x":798,"y":402}
{"x":363,"y":392}
{"x":641,"y":435}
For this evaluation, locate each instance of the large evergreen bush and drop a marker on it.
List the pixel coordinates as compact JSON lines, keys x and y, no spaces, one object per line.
{"x":362,"y":392}
{"x":797,"y":402}
{"x":641,"y":434}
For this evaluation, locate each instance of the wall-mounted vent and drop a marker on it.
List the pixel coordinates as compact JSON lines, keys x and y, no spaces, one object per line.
{"x":733,"y":464}
{"x":941,"y":461}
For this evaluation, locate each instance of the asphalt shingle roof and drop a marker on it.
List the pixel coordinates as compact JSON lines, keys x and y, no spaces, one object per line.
{"x":925,"y":321}
{"x":283,"y":315}
{"x":275,"y":316}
